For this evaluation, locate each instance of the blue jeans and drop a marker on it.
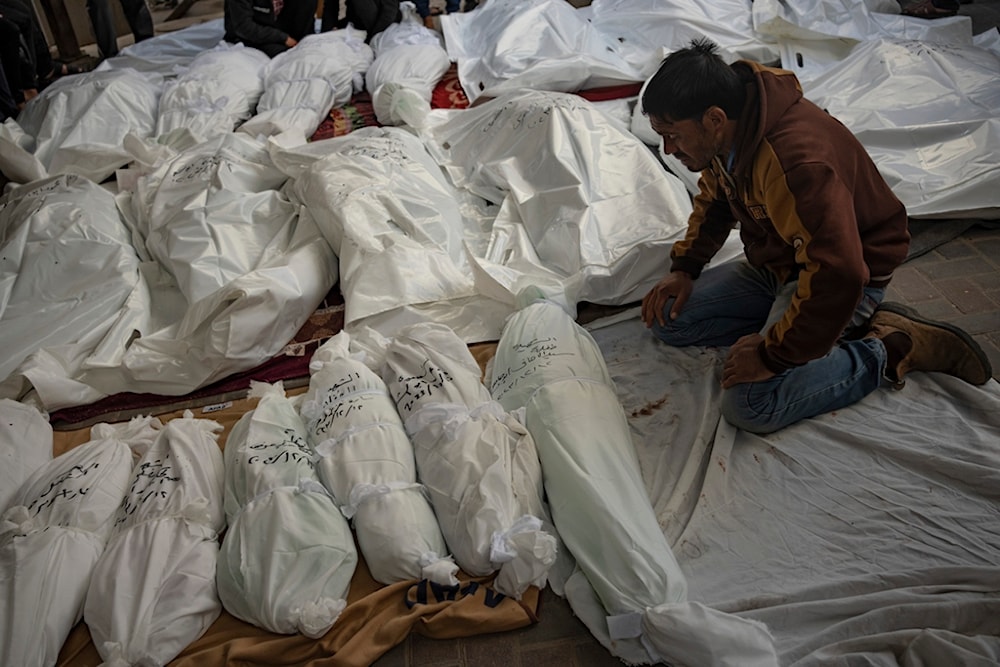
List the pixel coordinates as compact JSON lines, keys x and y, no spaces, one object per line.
{"x":735,"y":299}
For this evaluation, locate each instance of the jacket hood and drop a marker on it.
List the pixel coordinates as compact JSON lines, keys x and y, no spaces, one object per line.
{"x":770,"y":92}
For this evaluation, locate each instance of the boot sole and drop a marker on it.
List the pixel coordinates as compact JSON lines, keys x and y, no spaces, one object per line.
{"x":909,"y":313}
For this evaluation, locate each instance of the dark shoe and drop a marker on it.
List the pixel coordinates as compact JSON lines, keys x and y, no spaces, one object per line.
{"x":914,"y":343}
{"x":931,"y":9}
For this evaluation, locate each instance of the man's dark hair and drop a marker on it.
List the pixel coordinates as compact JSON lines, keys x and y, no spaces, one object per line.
{"x":690,"y":81}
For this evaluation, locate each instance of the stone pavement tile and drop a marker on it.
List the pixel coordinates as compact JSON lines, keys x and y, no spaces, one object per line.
{"x":956,"y":249}
{"x":426,"y":652}
{"x":496,"y":650}
{"x":992,"y":351}
{"x":965,"y":295}
{"x":978,"y":323}
{"x":937,"y":309}
{"x":910,"y":286}
{"x":934,"y":268}
{"x":557,"y":621}
{"x":561,"y":653}
{"x":592,"y":654}
{"x":398,"y":656}
{"x":990,"y":248}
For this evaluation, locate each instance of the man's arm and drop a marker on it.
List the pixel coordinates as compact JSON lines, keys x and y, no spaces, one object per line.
{"x":709,"y":226}
{"x":241,"y":16}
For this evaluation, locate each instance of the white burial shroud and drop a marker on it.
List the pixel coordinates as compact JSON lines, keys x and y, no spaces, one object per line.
{"x":76,"y":126}
{"x":153,"y":589}
{"x":478,"y":463}
{"x":366,"y":461}
{"x":219,"y":91}
{"x":552,"y":368}
{"x":25,"y":446}
{"x":586,"y":208}
{"x":397,"y":227}
{"x":301,"y":85}
{"x":52,"y":536}
{"x":288,"y":556}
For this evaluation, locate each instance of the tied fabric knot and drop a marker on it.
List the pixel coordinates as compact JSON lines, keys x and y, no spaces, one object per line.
{"x":362,"y":492}
{"x":18,"y":521}
{"x":437,"y":569}
{"x":502,"y":547}
{"x":316,"y":617}
{"x":115,"y":653}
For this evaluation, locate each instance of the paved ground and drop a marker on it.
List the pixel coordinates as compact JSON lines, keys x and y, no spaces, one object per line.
{"x":958,"y":281}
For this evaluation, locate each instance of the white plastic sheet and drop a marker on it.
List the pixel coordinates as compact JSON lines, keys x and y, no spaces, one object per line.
{"x":153,"y":589}
{"x":545,"y":45}
{"x":67,"y":267}
{"x":366,"y":461}
{"x":415,"y":67}
{"x":219,"y":90}
{"x":478,"y":463}
{"x":301,"y":85}
{"x":25,"y":446}
{"x":168,"y":53}
{"x":399,"y":233}
{"x":288,"y":556}
{"x":588,"y":211}
{"x":929,"y":115}
{"x":552,"y":368}
{"x":76,"y":125}
{"x":51,"y":537}
{"x":648,"y":30}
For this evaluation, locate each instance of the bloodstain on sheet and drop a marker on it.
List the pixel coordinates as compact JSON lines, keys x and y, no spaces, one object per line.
{"x":649,"y":408}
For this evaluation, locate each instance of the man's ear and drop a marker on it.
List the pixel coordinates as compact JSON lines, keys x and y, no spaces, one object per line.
{"x":715,"y":118}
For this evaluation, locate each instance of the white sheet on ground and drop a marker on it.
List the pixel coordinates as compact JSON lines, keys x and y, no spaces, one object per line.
{"x":506,"y":45}
{"x":552,"y":369}
{"x":862,"y":535}
{"x":77,"y":124}
{"x":25,"y":446}
{"x":288,"y":556}
{"x":477,"y":461}
{"x":301,"y":85}
{"x":587,"y":210}
{"x":153,"y":589}
{"x":366,"y":462}
{"x":53,"y":534}
{"x":168,"y":53}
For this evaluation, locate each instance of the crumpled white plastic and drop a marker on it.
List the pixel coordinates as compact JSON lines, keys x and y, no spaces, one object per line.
{"x":170,"y":52}
{"x":552,"y":368}
{"x":410,"y":29}
{"x":153,"y":589}
{"x":51,"y":537}
{"x":67,"y":268}
{"x":366,"y":462}
{"x":648,"y":30}
{"x":214,"y":213}
{"x":399,"y":230}
{"x":415,"y":67}
{"x":77,"y":124}
{"x":929,"y":116}
{"x":302,"y":84}
{"x":25,"y":446}
{"x":587,"y":210}
{"x":477,"y":462}
{"x":288,"y":556}
{"x":506,"y":45}
{"x":219,"y":90}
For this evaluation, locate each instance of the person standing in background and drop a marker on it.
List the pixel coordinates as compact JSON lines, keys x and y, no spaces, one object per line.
{"x":103,"y":21}
{"x":272,"y":26}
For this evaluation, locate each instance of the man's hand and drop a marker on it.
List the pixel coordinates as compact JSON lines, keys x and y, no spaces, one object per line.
{"x":290,"y":41}
{"x":743,"y":363}
{"x":676,"y":284}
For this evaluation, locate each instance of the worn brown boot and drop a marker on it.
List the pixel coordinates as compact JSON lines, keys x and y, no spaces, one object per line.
{"x":915,"y":343}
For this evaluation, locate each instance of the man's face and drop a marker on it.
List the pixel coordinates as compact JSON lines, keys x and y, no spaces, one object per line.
{"x":690,"y":141}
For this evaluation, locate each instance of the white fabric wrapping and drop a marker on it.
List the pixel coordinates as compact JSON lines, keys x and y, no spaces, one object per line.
{"x":77,"y":124}
{"x":301,"y":85}
{"x":153,"y":589}
{"x":588,"y":211}
{"x":25,"y":446}
{"x":929,"y":115}
{"x":366,"y":461}
{"x":415,"y":67}
{"x":399,"y":233}
{"x":409,"y":30}
{"x":219,"y":91}
{"x":51,"y":537}
{"x":214,"y":213}
{"x":469,"y":454}
{"x":648,"y":30}
{"x":67,"y":268}
{"x":506,"y":45}
{"x":554,"y":369}
{"x":288,"y":556}
{"x":168,"y":53}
